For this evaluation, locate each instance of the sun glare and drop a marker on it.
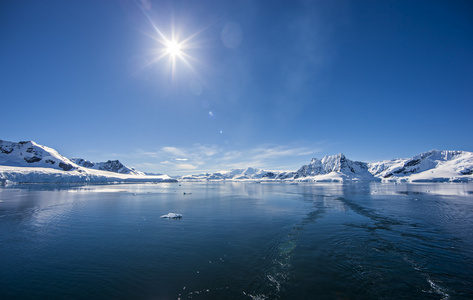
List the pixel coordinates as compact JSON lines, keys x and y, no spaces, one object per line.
{"x":173,"y":48}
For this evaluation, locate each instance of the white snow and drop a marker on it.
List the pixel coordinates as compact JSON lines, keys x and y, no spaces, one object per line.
{"x":29,"y":162}
{"x":335,"y":168}
{"x":30,"y":154}
{"x":432,"y":166}
{"x":26,"y":162}
{"x":10,"y":174}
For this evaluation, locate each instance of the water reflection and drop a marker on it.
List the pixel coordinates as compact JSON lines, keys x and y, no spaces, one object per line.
{"x":237,"y":241}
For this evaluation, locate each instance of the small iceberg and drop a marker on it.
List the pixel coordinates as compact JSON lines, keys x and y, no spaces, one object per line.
{"x":172,"y":216}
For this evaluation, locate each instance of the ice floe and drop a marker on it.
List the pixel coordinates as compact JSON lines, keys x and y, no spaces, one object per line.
{"x":172,"y":216}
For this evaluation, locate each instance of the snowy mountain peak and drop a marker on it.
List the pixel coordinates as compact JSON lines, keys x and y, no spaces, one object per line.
{"x":251,"y":171}
{"x":111,"y":165}
{"x":334,"y":163}
{"x":28,"y":161}
{"x":31,"y":154}
{"x":458,"y":162}
{"x":441,"y":155}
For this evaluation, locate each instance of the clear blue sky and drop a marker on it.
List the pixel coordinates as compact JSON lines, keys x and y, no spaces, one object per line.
{"x":267,"y":84}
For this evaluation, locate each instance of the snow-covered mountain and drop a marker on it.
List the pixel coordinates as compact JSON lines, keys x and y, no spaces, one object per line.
{"x":334,"y":168}
{"x":31,"y":162}
{"x":30,"y":154}
{"x":26,"y":162}
{"x":110,"y":166}
{"x":234,"y":174}
{"x":434,"y":165}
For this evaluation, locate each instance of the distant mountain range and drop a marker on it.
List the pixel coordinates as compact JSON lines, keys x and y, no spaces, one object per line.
{"x":432,"y":166}
{"x":31,"y":162}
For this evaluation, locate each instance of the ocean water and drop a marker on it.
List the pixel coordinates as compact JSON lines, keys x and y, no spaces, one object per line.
{"x":237,"y":241}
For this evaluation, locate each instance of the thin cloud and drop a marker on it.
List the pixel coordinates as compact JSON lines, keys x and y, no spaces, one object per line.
{"x":174,"y":151}
{"x":185,"y":167}
{"x":200,"y":158}
{"x":281,"y":151}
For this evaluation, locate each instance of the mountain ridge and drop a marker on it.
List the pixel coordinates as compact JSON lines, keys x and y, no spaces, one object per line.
{"x":29,"y":153}
{"x":26,"y":158}
{"x":29,"y":162}
{"x":430,"y":166}
{"x":111,"y":166}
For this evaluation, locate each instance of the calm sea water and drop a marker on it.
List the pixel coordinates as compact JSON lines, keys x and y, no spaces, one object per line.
{"x":237,"y":241}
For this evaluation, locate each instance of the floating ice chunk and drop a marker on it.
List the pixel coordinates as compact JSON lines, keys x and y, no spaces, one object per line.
{"x":172,"y":216}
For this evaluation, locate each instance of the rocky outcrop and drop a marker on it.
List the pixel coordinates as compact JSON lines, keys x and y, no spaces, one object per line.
{"x":111,"y":166}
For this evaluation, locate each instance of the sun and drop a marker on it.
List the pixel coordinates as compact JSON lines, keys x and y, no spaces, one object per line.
{"x":177,"y":52}
{"x":173,"y":48}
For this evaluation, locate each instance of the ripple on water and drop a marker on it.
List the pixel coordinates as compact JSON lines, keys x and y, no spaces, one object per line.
{"x":269,"y":242}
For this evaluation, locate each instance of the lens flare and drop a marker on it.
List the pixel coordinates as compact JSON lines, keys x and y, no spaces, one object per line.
{"x":173,"y":47}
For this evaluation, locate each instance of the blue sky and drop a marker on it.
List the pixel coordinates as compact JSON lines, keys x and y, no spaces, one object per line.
{"x":266,"y":84}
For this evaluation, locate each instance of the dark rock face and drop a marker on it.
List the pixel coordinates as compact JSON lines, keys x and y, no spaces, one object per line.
{"x":286,"y":175}
{"x":269,"y":175}
{"x":82,"y":162}
{"x":88,"y":164}
{"x":413,"y":162}
{"x":65,"y":167}
{"x":403,"y":170}
{"x":32,"y":159}
{"x":6,"y":150}
{"x":112,"y":166}
{"x":467,"y":172}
